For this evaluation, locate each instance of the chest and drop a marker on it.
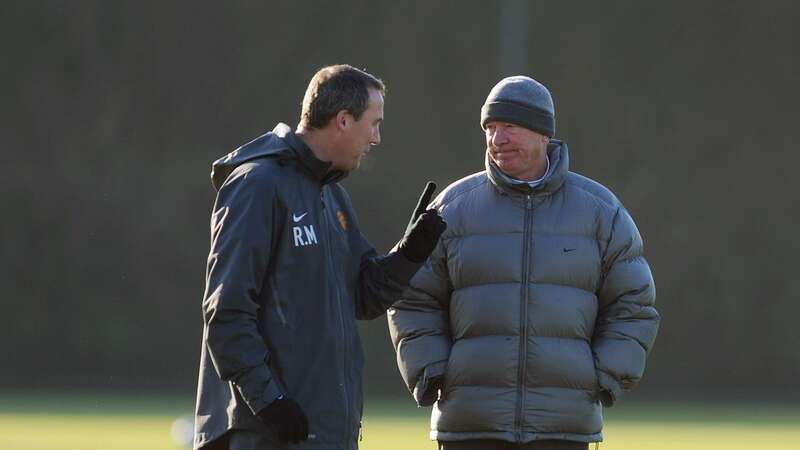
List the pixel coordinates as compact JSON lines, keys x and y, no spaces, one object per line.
{"x":315,"y":230}
{"x":540,"y":244}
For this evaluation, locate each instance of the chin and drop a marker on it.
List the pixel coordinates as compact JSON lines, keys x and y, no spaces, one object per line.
{"x":509,"y":169}
{"x":505,"y":165}
{"x":353,"y":165}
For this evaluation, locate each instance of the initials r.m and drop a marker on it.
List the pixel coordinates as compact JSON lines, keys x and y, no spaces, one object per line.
{"x":304,"y":235}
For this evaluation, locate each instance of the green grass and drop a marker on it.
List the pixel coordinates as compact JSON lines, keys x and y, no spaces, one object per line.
{"x":72,"y":422}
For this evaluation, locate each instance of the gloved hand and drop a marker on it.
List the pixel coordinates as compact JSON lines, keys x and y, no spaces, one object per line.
{"x":431,"y":394}
{"x":286,"y":417}
{"x":424,"y":229}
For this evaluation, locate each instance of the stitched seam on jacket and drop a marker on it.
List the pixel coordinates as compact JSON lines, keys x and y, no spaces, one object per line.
{"x":537,"y":283}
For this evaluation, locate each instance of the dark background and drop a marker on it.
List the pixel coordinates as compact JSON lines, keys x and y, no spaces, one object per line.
{"x":113,"y":111}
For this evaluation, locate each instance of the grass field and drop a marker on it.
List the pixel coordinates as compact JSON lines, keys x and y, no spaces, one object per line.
{"x":70,"y":422}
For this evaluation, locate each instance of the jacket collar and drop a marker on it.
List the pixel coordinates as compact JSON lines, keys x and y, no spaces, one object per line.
{"x":559,"y":160}
{"x":320,"y":170}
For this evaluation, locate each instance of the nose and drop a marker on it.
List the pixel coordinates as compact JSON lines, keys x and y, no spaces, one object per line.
{"x":376,"y":138}
{"x":498,"y":137}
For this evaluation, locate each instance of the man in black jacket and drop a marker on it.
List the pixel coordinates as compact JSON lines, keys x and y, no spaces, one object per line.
{"x":289,"y":273}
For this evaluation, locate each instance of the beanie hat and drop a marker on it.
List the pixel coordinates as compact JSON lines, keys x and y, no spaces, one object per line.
{"x":522,"y":101}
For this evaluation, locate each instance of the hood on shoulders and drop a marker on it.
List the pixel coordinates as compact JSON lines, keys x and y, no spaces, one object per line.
{"x":272,"y":144}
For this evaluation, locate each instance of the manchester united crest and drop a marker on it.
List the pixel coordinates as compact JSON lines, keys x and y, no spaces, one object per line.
{"x":342,"y":219}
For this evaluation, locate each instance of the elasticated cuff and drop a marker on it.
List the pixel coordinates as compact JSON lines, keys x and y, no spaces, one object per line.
{"x":609,"y":385}
{"x":399,"y":268}
{"x":257,"y":387}
{"x":433,"y":370}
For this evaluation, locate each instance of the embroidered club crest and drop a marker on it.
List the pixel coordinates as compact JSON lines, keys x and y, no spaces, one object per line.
{"x":342,"y":219}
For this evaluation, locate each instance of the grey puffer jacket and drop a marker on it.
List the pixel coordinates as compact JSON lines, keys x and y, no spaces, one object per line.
{"x":536,"y":304}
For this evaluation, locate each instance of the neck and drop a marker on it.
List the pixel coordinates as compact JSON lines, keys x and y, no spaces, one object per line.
{"x":317,"y":142}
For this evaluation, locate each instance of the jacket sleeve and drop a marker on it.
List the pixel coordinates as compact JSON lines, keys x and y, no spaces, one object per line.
{"x":241,"y":245}
{"x":627,"y":320}
{"x":381,"y":278}
{"x":381,"y":281}
{"x":419,"y":325}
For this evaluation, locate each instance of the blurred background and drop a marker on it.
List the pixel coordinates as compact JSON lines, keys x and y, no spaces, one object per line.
{"x":113,"y":111}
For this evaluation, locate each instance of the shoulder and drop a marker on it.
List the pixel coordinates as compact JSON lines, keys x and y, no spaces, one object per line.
{"x":260,"y":173}
{"x":461,"y":189}
{"x":577,"y":184}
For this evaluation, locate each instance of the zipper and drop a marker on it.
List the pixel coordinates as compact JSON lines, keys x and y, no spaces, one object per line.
{"x":331,"y":268}
{"x":523,"y":320}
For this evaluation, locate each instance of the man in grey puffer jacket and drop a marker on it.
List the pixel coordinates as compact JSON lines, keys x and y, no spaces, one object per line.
{"x":536,"y":308}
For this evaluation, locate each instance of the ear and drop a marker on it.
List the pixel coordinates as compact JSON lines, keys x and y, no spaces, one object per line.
{"x":342,"y":120}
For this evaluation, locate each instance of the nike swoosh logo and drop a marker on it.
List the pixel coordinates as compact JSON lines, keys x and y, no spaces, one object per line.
{"x":567,"y":250}
{"x":297,"y":218}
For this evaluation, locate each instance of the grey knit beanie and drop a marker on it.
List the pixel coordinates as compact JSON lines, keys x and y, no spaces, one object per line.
{"x":522,"y":101}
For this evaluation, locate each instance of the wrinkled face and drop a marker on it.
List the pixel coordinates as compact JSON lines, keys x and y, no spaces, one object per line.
{"x":360,"y":135}
{"x":517,"y":151}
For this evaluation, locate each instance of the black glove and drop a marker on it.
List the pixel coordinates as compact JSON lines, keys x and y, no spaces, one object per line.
{"x":431,"y":394}
{"x":424,"y":229}
{"x":286,"y":417}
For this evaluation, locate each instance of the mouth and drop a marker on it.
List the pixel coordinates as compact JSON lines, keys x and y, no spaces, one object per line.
{"x":504,"y":154}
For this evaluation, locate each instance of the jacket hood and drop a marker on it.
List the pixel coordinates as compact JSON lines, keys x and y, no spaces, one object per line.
{"x":272,"y":144}
{"x":559,"y":161}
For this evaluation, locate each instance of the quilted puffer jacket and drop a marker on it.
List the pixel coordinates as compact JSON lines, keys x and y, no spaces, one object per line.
{"x":535,"y":309}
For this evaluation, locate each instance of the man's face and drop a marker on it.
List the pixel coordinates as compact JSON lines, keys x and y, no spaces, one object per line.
{"x":516,"y":150}
{"x":360,"y":135}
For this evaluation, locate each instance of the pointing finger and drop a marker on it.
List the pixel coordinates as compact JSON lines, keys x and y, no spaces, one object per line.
{"x":424,"y":200}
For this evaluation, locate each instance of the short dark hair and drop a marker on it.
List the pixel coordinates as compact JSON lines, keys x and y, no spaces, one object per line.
{"x":336,"y":88}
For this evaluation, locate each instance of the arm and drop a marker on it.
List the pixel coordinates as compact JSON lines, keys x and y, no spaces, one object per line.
{"x":419,"y":325}
{"x":383,"y":278}
{"x":627,"y":321}
{"x":241,"y":245}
